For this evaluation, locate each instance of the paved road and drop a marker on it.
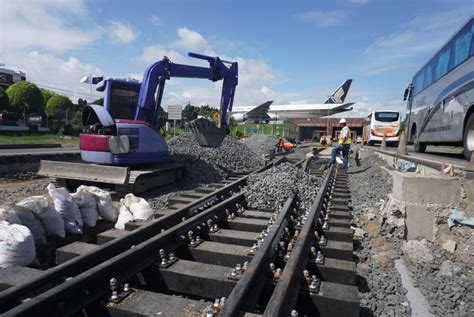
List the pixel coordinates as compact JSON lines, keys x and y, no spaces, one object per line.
{"x":447,"y":154}
{"x":58,"y":150}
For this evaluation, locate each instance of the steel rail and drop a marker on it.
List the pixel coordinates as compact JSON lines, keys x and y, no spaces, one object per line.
{"x":286,"y":291}
{"x":247,"y":290}
{"x":14,"y":295}
{"x":89,"y":286}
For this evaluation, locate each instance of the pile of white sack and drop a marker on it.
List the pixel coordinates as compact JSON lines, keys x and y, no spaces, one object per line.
{"x":133,"y":208}
{"x":33,"y":220}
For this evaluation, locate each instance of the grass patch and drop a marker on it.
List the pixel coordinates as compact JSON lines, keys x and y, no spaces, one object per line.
{"x":38,"y":139}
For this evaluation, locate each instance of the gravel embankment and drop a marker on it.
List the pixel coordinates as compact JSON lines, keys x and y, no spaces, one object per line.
{"x":261,"y":144}
{"x":271,"y":188}
{"x":380,"y":289}
{"x":446,"y":281}
{"x":206,"y":165}
{"x":203,"y":165}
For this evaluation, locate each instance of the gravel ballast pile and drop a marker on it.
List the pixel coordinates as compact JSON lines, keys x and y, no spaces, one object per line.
{"x":380,"y":290}
{"x":372,"y":184}
{"x":446,"y":281}
{"x":206,"y":165}
{"x":261,"y":144}
{"x":271,"y":188}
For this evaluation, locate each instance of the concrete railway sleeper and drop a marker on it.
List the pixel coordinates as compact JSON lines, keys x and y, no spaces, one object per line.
{"x":243,"y":257}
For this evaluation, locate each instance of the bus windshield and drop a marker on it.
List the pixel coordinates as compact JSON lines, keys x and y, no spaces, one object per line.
{"x":386,"y":116}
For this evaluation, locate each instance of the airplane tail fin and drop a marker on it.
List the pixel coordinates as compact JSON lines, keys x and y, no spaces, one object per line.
{"x":341,"y":93}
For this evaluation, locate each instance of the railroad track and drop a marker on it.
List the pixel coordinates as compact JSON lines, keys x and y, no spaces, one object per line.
{"x":257,"y":262}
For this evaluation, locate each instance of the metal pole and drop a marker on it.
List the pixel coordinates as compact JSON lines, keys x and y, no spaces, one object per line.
{"x":174,"y":127}
{"x":90,"y":84}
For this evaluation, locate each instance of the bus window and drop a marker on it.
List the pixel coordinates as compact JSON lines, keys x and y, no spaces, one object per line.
{"x":461,"y":46}
{"x":428,"y":76}
{"x":386,"y":116}
{"x":472,"y":39}
{"x":443,"y":63}
{"x":419,"y":81}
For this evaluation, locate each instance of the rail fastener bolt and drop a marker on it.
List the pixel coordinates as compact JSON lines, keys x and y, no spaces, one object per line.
{"x":319,"y":258}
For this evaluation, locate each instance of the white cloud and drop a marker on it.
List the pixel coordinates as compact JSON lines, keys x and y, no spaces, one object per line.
{"x":193,"y":41}
{"x":323,"y":18}
{"x":256,"y":77}
{"x":153,"y":53}
{"x":26,"y":25}
{"x":47,"y":70}
{"x":121,"y":32}
{"x":155,"y":20}
{"x":414,"y":42}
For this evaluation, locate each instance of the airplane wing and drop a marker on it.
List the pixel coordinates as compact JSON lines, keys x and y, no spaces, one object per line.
{"x":259,"y":112}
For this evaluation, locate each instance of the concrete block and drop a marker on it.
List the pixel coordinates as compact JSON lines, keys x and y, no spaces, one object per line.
{"x":335,"y":271}
{"x":338,"y":250}
{"x":257,"y":214}
{"x":16,"y":275}
{"x":339,"y":234}
{"x":144,"y":303}
{"x":432,"y":189}
{"x":218,"y":253}
{"x":233,"y":237}
{"x":110,"y":235}
{"x":247,"y":224}
{"x":198,"y":279}
{"x":332,"y":300}
{"x":419,"y":222}
{"x":72,"y":250}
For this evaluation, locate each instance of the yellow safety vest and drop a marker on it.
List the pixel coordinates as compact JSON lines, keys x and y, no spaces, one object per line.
{"x":348,"y":139}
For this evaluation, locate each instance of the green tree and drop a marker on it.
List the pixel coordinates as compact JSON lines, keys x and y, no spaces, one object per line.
{"x":190,"y":113}
{"x":46,"y":95}
{"x":207,"y":111}
{"x":58,"y":106}
{"x":25,"y":96}
{"x":4,"y":100}
{"x":99,"y":101}
{"x":81,"y":103}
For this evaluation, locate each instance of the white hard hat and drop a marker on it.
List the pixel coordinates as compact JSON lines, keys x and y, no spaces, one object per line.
{"x":342,"y":120}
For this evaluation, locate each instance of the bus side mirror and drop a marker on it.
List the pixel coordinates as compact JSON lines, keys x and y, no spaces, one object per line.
{"x":405,"y":95}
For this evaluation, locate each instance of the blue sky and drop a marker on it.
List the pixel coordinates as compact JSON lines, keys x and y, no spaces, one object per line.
{"x":288,"y":51}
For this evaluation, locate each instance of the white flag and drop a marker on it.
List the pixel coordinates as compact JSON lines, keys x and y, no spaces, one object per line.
{"x":86,"y":80}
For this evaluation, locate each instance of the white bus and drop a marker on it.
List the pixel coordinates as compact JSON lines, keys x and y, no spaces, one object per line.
{"x":440,"y":98}
{"x":380,"y":123}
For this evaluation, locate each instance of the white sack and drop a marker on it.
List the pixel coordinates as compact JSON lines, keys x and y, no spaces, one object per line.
{"x":124,"y":216}
{"x":8,"y":215}
{"x":29,"y":220}
{"x":104,"y":203}
{"x":67,"y":208}
{"x":87,"y":205}
{"x":17,"y":245}
{"x":51,"y":220}
{"x":139,"y":207}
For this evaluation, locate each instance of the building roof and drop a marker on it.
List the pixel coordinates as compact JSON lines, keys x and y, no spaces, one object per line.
{"x":322,"y":122}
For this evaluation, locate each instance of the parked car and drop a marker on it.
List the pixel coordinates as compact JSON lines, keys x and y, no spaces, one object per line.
{"x":359,"y":139}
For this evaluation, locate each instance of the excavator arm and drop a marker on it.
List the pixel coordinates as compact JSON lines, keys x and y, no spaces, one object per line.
{"x":153,"y":84}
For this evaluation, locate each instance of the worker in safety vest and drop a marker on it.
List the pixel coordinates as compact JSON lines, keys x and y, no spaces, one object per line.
{"x":343,"y":145}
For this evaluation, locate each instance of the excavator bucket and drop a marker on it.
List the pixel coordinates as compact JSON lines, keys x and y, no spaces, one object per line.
{"x":207,"y":133}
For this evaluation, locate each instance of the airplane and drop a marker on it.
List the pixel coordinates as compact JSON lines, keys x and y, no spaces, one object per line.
{"x":267,"y":112}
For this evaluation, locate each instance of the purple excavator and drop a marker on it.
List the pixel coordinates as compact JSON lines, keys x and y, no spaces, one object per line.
{"x":123,"y":146}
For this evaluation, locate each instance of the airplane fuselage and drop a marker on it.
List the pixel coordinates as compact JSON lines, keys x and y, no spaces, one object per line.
{"x":293,"y":111}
